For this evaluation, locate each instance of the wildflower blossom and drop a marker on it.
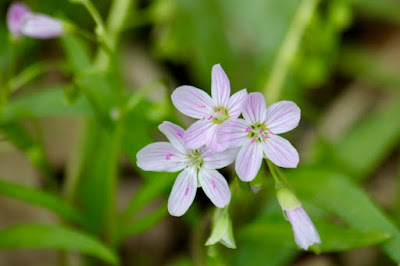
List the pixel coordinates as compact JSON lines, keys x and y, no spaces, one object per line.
{"x":211,"y":112}
{"x":198,"y":168}
{"x":21,"y":21}
{"x":256,"y":134}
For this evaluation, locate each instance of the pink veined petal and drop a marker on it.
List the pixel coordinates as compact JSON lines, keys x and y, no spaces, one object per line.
{"x":305,"y":233}
{"x":232,"y":133}
{"x":212,"y":141}
{"x":217,"y":160}
{"x":192,"y":102}
{"x":236,"y":102}
{"x":282,"y":116}
{"x":160,"y":156}
{"x":42,"y":27}
{"x":220,"y":86}
{"x":183,"y":192}
{"x":196,"y":135}
{"x":248,"y":161}
{"x":254,"y":109}
{"x":215,"y":187}
{"x":174,"y":133}
{"x":281,"y":152}
{"x":15,"y":17}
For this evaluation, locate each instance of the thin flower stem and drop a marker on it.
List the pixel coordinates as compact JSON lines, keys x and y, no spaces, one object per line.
{"x":100,"y":30}
{"x":273,"y":87}
{"x":275,"y":174}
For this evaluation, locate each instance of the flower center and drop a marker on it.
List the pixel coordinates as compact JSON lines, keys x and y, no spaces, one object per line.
{"x":195,"y":159}
{"x":258,"y":132}
{"x":220,"y":115}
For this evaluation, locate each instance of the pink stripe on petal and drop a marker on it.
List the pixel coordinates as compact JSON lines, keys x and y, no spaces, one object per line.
{"x":215,"y":187}
{"x":232,"y":133}
{"x":282,"y":116}
{"x":160,"y":156}
{"x":220,"y":86}
{"x":183,"y":192}
{"x":192,"y":101}
{"x":196,"y":135}
{"x":254,"y":109}
{"x":212,"y":141}
{"x":279,"y":151}
{"x":217,"y":160}
{"x":174,"y":133}
{"x":42,"y":27}
{"x":236,"y":102}
{"x":248,"y":161}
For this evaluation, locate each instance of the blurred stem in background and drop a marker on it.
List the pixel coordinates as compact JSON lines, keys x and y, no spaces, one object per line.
{"x":291,"y":42}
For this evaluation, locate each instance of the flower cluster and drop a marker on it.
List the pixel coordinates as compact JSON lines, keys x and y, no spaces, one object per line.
{"x":21,"y":21}
{"x":220,"y":137}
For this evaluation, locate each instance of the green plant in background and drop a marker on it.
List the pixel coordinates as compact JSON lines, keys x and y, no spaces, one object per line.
{"x":282,"y":48}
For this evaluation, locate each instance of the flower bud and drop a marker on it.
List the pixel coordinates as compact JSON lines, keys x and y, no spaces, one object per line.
{"x":305,"y":233}
{"x":15,"y":18}
{"x":42,"y":27}
{"x":222,"y":230}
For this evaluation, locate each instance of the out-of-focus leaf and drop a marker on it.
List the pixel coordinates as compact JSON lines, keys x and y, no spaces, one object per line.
{"x":77,"y":53}
{"x":49,"y":102}
{"x":143,"y":224}
{"x":54,"y":237}
{"x":367,"y":144}
{"x":44,"y":200}
{"x":335,"y":193}
{"x":386,"y":10}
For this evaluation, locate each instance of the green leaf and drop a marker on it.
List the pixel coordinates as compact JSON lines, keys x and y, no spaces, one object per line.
{"x":367,"y":144}
{"x":143,"y":224}
{"x":77,"y":53}
{"x":54,"y":237}
{"x":335,"y":193}
{"x":41,"y":199}
{"x":50,"y":102}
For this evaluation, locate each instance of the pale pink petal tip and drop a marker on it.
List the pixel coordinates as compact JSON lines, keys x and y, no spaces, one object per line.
{"x":255,"y":109}
{"x":248,"y":161}
{"x":42,"y":27}
{"x":281,"y":152}
{"x":215,"y":187}
{"x":305,"y":233}
{"x":283,"y":116}
{"x":183,"y":192}
{"x":15,"y":18}
{"x":220,"y":86}
{"x":254,"y":189}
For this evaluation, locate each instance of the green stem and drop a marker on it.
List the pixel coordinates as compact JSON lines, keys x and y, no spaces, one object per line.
{"x":100,"y":30}
{"x":273,"y":87}
{"x":279,"y":182}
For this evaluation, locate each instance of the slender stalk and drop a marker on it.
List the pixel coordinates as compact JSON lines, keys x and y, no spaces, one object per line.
{"x":279,"y":182}
{"x":273,"y":87}
{"x":100,"y":30}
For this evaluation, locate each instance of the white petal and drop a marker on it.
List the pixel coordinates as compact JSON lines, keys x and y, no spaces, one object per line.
{"x":174,"y":133}
{"x":192,"y":102}
{"x":305,"y":233}
{"x":183,"y":192}
{"x":232,"y":133}
{"x":196,"y":135}
{"x":160,"y":156}
{"x":236,"y":102}
{"x":279,"y":151}
{"x":254,"y":109}
{"x":248,"y":161}
{"x":282,"y":117}
{"x":215,"y":187}
{"x":42,"y":27}
{"x":217,"y":160}
{"x":220,"y":86}
{"x":212,"y":141}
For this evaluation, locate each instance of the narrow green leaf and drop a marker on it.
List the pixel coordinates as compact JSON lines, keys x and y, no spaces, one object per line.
{"x":54,"y":237}
{"x":143,"y":224}
{"x":77,"y":53}
{"x":364,"y":147}
{"x":41,"y":199}
{"x":335,"y":193}
{"x":50,"y":102}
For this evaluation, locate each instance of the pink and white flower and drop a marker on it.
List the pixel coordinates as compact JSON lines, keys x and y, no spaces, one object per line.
{"x":256,"y":134}
{"x":198,"y":167}
{"x":21,"y":21}
{"x":211,"y":111}
{"x":305,"y":233}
